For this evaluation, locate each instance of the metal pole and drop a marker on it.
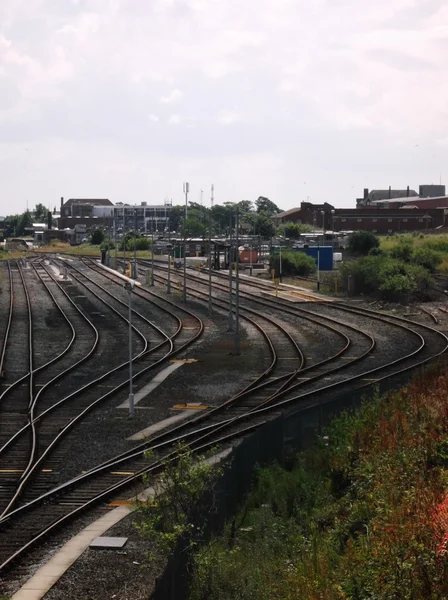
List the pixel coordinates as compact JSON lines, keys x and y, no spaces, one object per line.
{"x":115,"y":243}
{"x":168,"y":285}
{"x":281,"y":263}
{"x":152,"y":255}
{"x":184,"y":291}
{"x":318,"y":268}
{"x":131,"y":392}
{"x":135,"y":245}
{"x":230,"y":323}
{"x":237,"y":294}
{"x":210,"y":304}
{"x":124,"y":241}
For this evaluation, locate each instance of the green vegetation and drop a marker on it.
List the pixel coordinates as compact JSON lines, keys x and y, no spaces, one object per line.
{"x":397,"y":269}
{"x":293,"y":263}
{"x":165,"y":518}
{"x":362,"y":515}
{"x":293,"y":230}
{"x":362,"y":242}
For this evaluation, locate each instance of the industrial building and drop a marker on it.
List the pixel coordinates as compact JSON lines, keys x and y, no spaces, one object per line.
{"x":95,"y":213}
{"x":376,"y":217}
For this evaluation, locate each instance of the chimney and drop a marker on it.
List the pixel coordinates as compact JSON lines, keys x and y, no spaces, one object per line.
{"x":390,"y":192}
{"x":407,"y":192}
{"x":366,"y":193}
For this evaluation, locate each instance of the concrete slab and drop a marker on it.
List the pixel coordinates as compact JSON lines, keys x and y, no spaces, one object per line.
{"x":109,"y":543}
{"x":44,"y":579}
{"x":151,"y":386}
{"x":144,"y":433}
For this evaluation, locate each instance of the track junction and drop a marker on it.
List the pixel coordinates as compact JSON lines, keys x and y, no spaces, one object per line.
{"x":64,"y":363}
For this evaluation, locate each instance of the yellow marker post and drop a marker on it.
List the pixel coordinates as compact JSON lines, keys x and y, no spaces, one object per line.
{"x":273,"y":275}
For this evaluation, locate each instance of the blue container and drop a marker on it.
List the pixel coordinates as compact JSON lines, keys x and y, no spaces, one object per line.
{"x":325,"y":254}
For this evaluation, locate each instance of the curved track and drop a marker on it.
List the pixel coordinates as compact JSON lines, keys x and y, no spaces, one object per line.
{"x":245,"y":411}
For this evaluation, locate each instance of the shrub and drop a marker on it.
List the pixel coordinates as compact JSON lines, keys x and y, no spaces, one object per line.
{"x":362,"y":242}
{"x":427,"y":258}
{"x":403,"y":250}
{"x":97,"y":237}
{"x":393,"y":279}
{"x":293,"y":263}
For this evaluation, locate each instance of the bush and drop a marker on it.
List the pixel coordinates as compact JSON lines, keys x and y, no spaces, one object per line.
{"x":97,"y":237}
{"x":293,"y":230}
{"x":140,"y":243}
{"x":107,"y":244}
{"x":403,"y":250}
{"x":393,"y":279}
{"x":362,"y":242}
{"x":293,"y":263}
{"x":427,"y":258}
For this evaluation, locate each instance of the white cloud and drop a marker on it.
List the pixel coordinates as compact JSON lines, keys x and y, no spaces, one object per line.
{"x":332,"y":93}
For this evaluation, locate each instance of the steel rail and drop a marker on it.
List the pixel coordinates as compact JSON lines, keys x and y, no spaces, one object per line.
{"x":9,"y":320}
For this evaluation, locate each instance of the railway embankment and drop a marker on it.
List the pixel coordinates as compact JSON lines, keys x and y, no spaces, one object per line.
{"x":362,"y":513}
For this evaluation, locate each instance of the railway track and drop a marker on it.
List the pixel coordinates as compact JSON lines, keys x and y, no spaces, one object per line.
{"x":233,"y":419}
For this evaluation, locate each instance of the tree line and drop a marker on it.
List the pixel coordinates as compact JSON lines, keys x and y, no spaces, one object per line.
{"x":16,"y":225}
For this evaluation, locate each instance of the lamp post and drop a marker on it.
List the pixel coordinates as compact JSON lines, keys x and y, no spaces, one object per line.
{"x":332,"y":228}
{"x":124,"y":241}
{"x":184,"y":291}
{"x":281,"y":271}
{"x":129,"y":286}
{"x":134,"y":274}
{"x":230,"y":322}
{"x":210,"y":303}
{"x":236,"y":350}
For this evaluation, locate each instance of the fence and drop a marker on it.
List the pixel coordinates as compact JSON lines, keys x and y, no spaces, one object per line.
{"x":295,"y":430}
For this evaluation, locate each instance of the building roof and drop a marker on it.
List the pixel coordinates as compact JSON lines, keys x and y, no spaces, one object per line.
{"x":390,"y":194}
{"x":412,"y":199}
{"x":93,"y":202}
{"x":286,"y":213}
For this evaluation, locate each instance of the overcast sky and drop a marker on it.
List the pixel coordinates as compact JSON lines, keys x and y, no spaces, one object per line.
{"x":126,"y":99}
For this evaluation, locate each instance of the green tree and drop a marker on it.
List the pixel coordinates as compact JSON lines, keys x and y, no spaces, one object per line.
{"x":264,"y":225}
{"x":293,"y":230}
{"x":361,"y":242}
{"x":97,"y":237}
{"x":267,"y":206}
{"x":25,"y":221}
{"x":40,"y":213}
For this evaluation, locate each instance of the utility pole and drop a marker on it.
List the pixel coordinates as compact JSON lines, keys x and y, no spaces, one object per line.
{"x":124,"y":240}
{"x":230,"y":323}
{"x":135,"y":244}
{"x":186,"y":190}
{"x":152,"y":254}
{"x":237,"y":294}
{"x":210,"y":304}
{"x":168,"y":285}
{"x":184,"y":291}
{"x":129,"y":286}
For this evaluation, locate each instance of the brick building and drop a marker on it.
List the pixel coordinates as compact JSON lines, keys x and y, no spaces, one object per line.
{"x":373,"y":218}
